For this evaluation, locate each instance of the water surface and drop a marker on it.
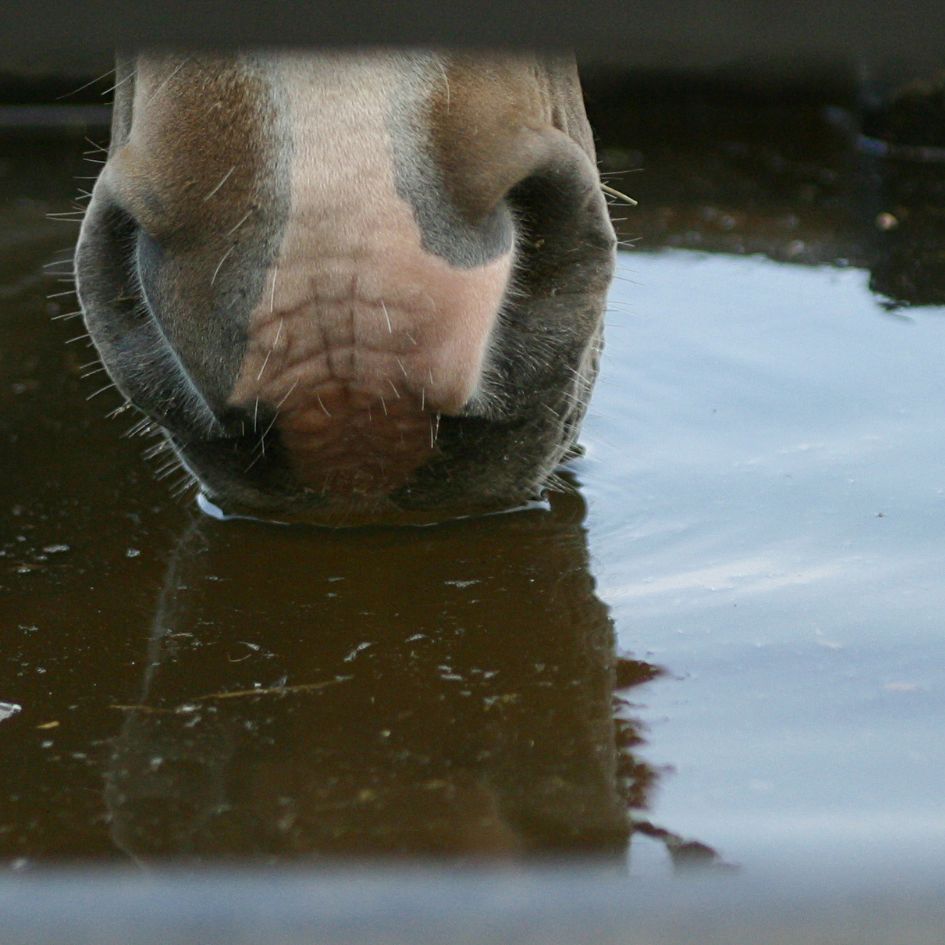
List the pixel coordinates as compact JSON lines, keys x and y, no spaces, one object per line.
{"x":723,"y":649}
{"x":766,"y":480}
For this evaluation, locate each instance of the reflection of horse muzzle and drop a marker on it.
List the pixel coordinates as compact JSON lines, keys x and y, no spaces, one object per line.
{"x":293,"y":710}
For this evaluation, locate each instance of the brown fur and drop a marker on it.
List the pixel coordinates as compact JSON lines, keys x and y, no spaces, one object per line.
{"x":487,"y":120}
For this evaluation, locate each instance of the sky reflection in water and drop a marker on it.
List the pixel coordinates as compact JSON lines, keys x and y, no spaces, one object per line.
{"x":766,"y":482}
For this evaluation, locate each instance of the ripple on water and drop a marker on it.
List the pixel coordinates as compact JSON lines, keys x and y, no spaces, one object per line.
{"x":8,"y":710}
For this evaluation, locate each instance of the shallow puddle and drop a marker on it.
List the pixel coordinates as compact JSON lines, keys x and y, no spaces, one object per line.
{"x":725,"y":648}
{"x":766,"y":482}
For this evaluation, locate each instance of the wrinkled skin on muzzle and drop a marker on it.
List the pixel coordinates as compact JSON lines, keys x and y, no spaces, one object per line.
{"x":351,"y":286}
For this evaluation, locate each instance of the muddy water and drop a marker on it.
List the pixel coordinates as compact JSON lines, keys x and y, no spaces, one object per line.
{"x":724,"y":648}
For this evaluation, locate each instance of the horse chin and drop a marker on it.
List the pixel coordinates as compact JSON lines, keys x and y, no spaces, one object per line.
{"x":236,"y":481}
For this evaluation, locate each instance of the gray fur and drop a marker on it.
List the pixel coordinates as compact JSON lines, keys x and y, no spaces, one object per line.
{"x":420,"y":182}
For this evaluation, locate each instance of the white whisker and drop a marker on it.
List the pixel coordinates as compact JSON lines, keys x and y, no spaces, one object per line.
{"x":446,"y":82}
{"x":101,"y":390}
{"x":272,"y":423}
{"x":179,"y":489}
{"x":130,"y":75}
{"x":253,"y":463}
{"x":168,"y":79}
{"x":112,"y":414}
{"x":140,"y":428}
{"x":216,"y":271}
{"x":153,"y":451}
{"x":285,"y":397}
{"x":98,"y":78}
{"x":613,"y":192}
{"x":172,"y":467}
{"x":265,"y":362}
{"x":241,"y":221}
{"x":223,"y":180}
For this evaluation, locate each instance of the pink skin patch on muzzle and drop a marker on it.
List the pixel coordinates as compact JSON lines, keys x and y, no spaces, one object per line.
{"x":359,"y":359}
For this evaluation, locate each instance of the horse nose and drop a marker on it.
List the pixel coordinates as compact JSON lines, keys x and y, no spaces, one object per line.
{"x":329,"y":285}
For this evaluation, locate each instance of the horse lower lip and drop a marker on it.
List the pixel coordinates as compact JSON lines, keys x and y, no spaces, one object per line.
{"x":376,"y":514}
{"x":344,"y":457}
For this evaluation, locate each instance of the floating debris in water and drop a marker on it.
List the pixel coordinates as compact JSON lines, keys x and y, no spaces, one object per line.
{"x":280,"y":690}
{"x":8,"y":710}
{"x":358,"y":649}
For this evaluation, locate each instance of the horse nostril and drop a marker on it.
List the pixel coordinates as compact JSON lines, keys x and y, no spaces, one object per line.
{"x":105,"y":274}
{"x":128,"y":336}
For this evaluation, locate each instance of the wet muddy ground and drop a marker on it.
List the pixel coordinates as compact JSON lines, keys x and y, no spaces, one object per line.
{"x":723,"y":649}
